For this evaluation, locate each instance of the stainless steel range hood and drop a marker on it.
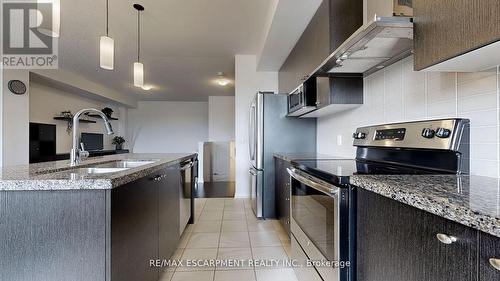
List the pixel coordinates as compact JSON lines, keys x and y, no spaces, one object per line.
{"x":372,"y":47}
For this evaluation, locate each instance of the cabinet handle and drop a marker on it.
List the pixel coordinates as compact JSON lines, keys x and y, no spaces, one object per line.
{"x":159,"y":177}
{"x":495,"y":263}
{"x":446,"y":239}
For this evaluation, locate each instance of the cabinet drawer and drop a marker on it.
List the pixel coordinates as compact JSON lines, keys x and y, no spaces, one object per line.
{"x":303,"y":272}
{"x":489,"y":248}
{"x":398,"y":242}
{"x":451,"y":256}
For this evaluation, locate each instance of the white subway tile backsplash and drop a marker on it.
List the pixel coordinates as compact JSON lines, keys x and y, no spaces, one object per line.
{"x":400,"y":94}
{"x":482,"y":135}
{"x":487,"y":151}
{"x":441,"y":86}
{"x":414,"y":92}
{"x":482,"y":167}
{"x":441,"y":109}
{"x":393,"y":89}
{"x":481,"y":118}
{"x":470,"y":84}
{"x":477,"y":102}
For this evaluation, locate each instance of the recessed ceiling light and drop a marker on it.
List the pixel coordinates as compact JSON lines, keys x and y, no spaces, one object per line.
{"x":222,"y":80}
{"x":147,"y":87}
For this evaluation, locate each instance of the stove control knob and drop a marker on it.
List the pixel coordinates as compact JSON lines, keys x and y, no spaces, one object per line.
{"x":359,"y":136}
{"x":428,"y":133}
{"x":443,"y":133}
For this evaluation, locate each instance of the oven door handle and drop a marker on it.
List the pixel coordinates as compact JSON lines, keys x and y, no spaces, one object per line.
{"x":323,"y":187}
{"x":189,"y":165}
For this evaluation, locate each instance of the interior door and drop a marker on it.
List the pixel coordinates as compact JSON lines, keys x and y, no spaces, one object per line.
{"x":220,"y":161}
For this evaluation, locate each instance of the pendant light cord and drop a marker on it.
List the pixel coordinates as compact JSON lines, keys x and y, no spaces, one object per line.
{"x":107,"y":18}
{"x":138,"y":35}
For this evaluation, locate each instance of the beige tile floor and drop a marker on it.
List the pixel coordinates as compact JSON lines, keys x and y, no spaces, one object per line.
{"x":226,"y":228}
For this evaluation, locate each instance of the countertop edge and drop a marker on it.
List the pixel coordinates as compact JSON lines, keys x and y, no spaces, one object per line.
{"x":464,"y":216}
{"x":142,"y":173}
{"x":290,"y":156}
{"x":114,"y":181}
{"x":282,"y":157}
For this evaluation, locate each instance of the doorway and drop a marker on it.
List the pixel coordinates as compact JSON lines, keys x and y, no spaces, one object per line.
{"x":217,"y":170}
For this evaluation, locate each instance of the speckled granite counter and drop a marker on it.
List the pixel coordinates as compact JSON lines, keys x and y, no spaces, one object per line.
{"x":470,"y":200}
{"x":58,"y":175}
{"x":289,"y":157}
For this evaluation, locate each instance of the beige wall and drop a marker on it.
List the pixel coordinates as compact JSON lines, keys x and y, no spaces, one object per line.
{"x":247,"y":82}
{"x":167,"y":127}
{"x":220,"y":118}
{"x":15,"y":120}
{"x":46,"y":102}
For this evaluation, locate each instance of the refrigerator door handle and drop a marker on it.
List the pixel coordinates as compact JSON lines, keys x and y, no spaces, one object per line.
{"x":251,"y":132}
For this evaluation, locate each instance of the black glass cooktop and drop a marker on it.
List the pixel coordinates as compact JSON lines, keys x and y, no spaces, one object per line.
{"x":338,"y":171}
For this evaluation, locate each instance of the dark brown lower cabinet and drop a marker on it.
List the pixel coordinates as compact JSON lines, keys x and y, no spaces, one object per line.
{"x":134,"y":230}
{"x":168,"y":205}
{"x":398,"y":242}
{"x":144,"y":224}
{"x":282,"y":189}
{"x":455,"y":261}
{"x":489,"y":248}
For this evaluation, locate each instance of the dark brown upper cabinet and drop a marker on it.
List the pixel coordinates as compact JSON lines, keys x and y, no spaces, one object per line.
{"x":333,"y":23}
{"x":456,"y":35}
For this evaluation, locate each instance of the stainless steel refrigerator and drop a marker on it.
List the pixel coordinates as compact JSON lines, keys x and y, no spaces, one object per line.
{"x":270,"y":131}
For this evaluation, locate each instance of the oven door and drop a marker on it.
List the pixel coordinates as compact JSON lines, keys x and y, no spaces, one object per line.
{"x":318,"y":222}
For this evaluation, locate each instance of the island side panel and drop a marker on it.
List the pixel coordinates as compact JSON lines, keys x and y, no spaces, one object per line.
{"x":52,"y":235}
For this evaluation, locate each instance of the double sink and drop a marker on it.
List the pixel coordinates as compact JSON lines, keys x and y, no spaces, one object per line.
{"x":113,"y":167}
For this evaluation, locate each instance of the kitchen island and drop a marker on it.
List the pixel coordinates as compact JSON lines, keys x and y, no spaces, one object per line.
{"x":104,"y":219}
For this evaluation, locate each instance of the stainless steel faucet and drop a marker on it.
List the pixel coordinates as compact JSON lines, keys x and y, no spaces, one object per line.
{"x":77,"y":154}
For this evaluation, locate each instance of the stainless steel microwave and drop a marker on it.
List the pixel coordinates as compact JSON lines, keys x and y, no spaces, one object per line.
{"x":302,"y":100}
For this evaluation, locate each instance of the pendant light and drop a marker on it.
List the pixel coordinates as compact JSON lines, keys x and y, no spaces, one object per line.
{"x":138,"y":66}
{"x":107,"y":46}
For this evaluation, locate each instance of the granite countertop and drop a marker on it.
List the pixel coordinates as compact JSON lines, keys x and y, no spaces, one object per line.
{"x":58,"y":175}
{"x":473,"y":201}
{"x":289,"y":157}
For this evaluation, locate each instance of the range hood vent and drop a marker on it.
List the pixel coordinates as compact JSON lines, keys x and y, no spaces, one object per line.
{"x":372,"y":47}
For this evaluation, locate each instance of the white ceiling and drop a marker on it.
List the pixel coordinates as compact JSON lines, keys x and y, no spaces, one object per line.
{"x":289,"y":20}
{"x":184,"y":43}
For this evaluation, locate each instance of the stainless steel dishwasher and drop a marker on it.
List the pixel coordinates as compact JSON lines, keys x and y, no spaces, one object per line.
{"x":186,"y":199}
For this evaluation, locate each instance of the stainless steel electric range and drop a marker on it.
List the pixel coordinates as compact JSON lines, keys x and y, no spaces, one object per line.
{"x":323,"y":203}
